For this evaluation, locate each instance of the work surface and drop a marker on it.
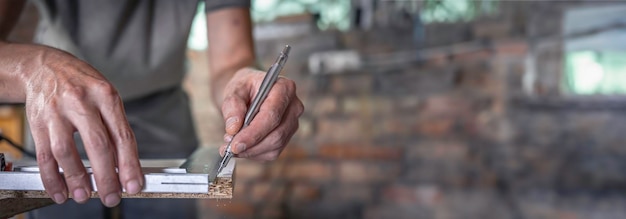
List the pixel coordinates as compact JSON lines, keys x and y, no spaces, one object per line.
{"x":23,"y":191}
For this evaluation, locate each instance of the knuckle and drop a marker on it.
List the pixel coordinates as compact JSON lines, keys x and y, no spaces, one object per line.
{"x":107,"y":92}
{"x":289,"y":84}
{"x":277,"y":140}
{"x":75,"y":93}
{"x":44,"y":157}
{"x":230,"y":102}
{"x":61,"y":151}
{"x":99,"y":143}
{"x":106,"y":88}
{"x":125,"y":165}
{"x":75,"y":177}
{"x":52,"y":184}
{"x":125,"y":136}
{"x":273,"y":118}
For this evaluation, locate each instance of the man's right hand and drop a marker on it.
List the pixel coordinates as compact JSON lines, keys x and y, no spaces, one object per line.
{"x":63,"y":95}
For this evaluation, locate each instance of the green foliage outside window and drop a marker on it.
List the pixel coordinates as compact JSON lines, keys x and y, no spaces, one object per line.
{"x":443,"y":11}
{"x":595,"y":72}
{"x":332,"y":13}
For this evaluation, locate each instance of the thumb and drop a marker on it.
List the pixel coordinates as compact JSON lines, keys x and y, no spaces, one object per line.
{"x":233,"y":110}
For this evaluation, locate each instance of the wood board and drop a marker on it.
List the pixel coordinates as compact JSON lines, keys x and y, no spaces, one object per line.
{"x":13,"y":202}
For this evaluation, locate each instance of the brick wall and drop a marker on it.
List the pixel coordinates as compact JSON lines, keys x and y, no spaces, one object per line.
{"x":452,"y":136}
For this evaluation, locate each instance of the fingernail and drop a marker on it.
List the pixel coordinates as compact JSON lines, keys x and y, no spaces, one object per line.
{"x":112,"y":200}
{"x":133,"y":187}
{"x":241,"y":147}
{"x":59,"y":198}
{"x":230,"y":122}
{"x":80,"y":195}
{"x":228,"y":138}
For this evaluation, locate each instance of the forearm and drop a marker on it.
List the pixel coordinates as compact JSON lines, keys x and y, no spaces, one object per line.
{"x":12,"y":68}
{"x":230,"y":47}
{"x":13,"y":72}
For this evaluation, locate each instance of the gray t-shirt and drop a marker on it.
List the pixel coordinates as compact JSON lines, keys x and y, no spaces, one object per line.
{"x":139,"y":46}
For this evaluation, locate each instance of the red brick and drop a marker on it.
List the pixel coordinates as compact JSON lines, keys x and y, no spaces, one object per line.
{"x":340,"y":129}
{"x":511,"y":47}
{"x":472,"y":56}
{"x":438,"y":150}
{"x":306,"y":128}
{"x":368,"y":172}
{"x":445,"y":105}
{"x":436,"y":126}
{"x":366,"y":105}
{"x":324,"y":106}
{"x":428,"y":195}
{"x":477,"y":77}
{"x":338,"y":151}
{"x":294,"y":152}
{"x":404,"y":211}
{"x":399,"y":125}
{"x":353,"y":83}
{"x":492,"y":29}
{"x":406,"y":104}
{"x":310,"y":171}
{"x":240,"y":192}
{"x":247,"y":170}
{"x":267,"y":192}
{"x":271,"y":212}
{"x":305,"y":192}
{"x":351,"y":193}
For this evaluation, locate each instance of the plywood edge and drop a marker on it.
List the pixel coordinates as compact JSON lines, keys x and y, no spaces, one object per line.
{"x":222,"y":189}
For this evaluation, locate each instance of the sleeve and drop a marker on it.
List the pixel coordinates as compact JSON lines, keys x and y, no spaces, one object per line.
{"x":212,"y":5}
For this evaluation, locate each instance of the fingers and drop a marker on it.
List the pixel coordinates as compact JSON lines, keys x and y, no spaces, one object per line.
{"x":100,"y":151}
{"x":48,"y":168}
{"x":64,"y":151}
{"x":273,"y":144}
{"x":269,"y":116}
{"x":123,"y":140}
{"x":234,"y":109}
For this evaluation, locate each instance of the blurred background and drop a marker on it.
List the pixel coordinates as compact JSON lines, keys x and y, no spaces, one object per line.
{"x":430,"y":109}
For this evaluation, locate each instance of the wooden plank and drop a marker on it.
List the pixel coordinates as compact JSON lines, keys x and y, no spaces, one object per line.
{"x":222,"y":189}
{"x":16,"y":202}
{"x":13,"y":202}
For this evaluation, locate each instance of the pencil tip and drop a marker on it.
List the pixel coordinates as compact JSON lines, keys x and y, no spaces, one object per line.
{"x":286,"y":49}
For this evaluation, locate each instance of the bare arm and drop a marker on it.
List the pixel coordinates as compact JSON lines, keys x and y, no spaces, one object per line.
{"x":231,"y":47}
{"x":63,"y":94}
{"x":10,"y":91}
{"x":234,"y":85}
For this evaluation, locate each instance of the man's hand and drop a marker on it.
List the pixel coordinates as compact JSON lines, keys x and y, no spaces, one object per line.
{"x":273,"y":126}
{"x":233,"y":88}
{"x":63,"y":95}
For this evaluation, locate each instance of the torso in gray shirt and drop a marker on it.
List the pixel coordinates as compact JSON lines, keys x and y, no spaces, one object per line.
{"x":139,"y":46}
